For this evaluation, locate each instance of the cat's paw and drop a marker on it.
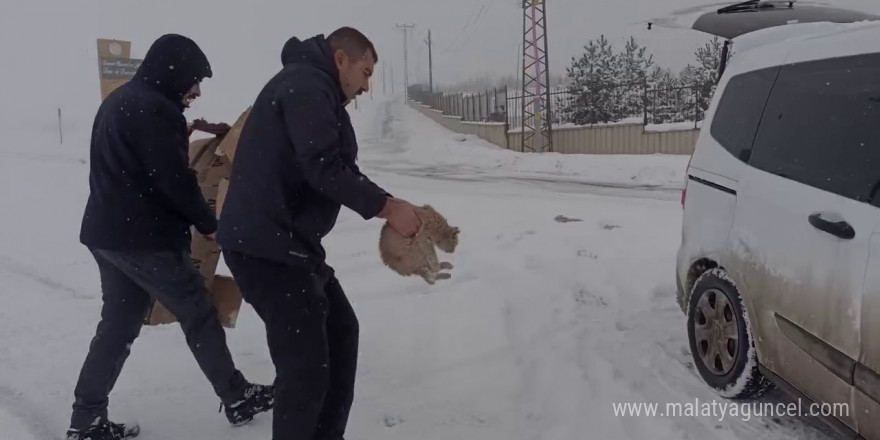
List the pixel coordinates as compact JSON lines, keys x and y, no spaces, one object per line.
{"x":443,"y":276}
{"x":446,"y":265}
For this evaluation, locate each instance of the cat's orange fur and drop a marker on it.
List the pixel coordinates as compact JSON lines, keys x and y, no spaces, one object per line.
{"x":416,"y":256}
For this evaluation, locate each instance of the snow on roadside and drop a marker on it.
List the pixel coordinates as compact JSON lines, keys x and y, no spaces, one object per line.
{"x":673,"y":126}
{"x":436,"y":146}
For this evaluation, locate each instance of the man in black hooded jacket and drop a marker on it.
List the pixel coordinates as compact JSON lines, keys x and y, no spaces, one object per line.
{"x":143,"y":201}
{"x":294,"y":169}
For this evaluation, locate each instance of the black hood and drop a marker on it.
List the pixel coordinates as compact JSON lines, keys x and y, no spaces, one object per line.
{"x":287,"y":52}
{"x":315,"y":52}
{"x":173,"y":65}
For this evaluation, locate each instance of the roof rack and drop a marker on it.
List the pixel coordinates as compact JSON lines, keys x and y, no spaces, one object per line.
{"x":754,"y":5}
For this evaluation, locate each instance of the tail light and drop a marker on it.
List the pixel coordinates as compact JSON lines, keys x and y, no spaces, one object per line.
{"x":686,"y":179}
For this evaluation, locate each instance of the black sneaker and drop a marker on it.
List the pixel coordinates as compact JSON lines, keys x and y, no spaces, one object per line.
{"x":256,"y":399}
{"x":105,"y":431}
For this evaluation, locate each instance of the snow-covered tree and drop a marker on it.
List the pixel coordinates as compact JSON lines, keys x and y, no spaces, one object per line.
{"x":664,"y":103}
{"x":606,"y":86}
{"x":703,"y":76}
{"x":592,"y":78}
{"x":635,"y":65}
{"x":686,"y":97}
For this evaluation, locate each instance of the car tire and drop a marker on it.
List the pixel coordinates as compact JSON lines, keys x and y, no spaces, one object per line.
{"x":721,"y":340}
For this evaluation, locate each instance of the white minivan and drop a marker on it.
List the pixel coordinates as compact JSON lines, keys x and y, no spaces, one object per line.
{"x":778,"y":271}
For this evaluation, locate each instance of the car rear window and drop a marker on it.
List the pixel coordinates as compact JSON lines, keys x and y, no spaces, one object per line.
{"x":739,"y":111}
{"x":821,"y":126}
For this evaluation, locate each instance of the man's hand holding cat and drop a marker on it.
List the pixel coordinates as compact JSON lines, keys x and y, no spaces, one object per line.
{"x":401,"y":215}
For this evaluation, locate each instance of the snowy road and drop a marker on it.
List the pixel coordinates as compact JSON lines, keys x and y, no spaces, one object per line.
{"x":550,"y":183}
{"x":561,"y":304}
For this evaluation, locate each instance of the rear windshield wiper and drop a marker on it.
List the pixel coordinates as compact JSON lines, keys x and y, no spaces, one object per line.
{"x":753,"y":5}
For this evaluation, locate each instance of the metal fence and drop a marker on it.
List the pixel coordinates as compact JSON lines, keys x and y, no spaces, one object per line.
{"x":626,"y":103}
{"x":487,"y":106}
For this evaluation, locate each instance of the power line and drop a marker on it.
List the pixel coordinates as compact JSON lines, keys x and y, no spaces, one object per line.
{"x":459,"y":34}
{"x":468,"y":24}
{"x":484,"y":10}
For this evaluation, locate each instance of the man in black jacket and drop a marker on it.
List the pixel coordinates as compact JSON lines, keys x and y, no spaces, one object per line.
{"x":143,"y":201}
{"x":293,"y":171}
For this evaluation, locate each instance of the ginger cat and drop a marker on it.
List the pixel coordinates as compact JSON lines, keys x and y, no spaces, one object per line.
{"x":416,"y":256}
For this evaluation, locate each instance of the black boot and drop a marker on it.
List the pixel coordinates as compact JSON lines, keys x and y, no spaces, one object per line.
{"x":256,"y":399}
{"x":105,"y":431}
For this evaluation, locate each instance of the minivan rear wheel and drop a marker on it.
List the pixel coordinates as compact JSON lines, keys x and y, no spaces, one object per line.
{"x":721,"y":339}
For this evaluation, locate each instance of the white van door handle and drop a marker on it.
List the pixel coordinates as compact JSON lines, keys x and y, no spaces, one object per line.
{"x":832,"y":224}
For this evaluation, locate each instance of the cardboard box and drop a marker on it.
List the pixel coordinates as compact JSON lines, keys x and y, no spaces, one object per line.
{"x":218,"y":168}
{"x":198,"y":149}
{"x":203,"y":158}
{"x":210,"y":192}
{"x":224,"y":295}
{"x":205,"y":256}
{"x":222,"y":189}
{"x":230,"y":141}
{"x":211,"y":161}
{"x":158,"y":314}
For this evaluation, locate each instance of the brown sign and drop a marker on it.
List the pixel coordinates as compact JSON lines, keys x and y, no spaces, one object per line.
{"x":115,"y":65}
{"x":119,"y":68}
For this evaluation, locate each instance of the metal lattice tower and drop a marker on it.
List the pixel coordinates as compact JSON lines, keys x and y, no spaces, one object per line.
{"x":536,"y":123}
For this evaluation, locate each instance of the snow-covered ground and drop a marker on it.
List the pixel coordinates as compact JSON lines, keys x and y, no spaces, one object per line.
{"x":561,"y":302}
{"x":426,"y":148}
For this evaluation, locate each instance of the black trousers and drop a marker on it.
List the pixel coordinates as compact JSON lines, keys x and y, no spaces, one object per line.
{"x":312,"y":333}
{"x":128,"y":280}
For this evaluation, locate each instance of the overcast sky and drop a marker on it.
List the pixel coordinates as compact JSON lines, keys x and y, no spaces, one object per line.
{"x":48,"y":46}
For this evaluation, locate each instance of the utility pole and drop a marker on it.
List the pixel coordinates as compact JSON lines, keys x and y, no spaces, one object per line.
{"x":430,"y":65}
{"x":406,"y":28}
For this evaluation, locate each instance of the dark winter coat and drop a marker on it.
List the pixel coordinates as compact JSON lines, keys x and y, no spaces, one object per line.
{"x":143,"y":194}
{"x":295,"y":163}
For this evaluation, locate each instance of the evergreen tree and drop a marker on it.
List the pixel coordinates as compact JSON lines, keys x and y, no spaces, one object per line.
{"x":636,"y":64}
{"x":663,"y":103}
{"x":607,"y":86}
{"x":592,"y":78}
{"x":703,"y":76}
